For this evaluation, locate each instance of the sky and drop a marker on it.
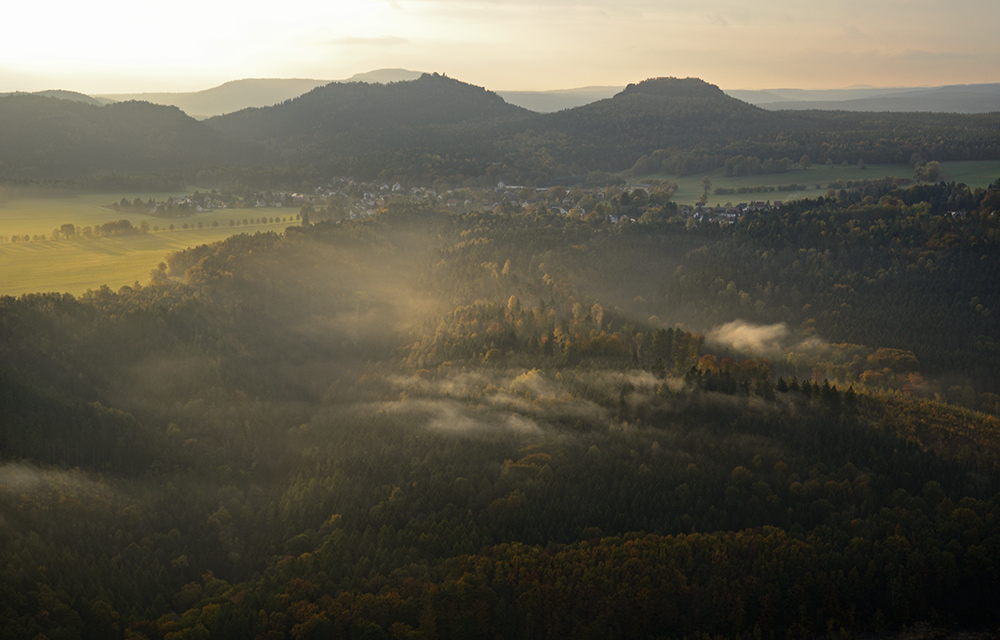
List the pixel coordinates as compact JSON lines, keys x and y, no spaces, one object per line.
{"x":117,"y":46}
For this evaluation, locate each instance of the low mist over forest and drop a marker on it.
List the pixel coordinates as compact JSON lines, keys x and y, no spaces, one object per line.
{"x":439,"y":406}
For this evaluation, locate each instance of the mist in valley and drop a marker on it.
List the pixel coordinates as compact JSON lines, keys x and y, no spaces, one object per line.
{"x":362,"y":405}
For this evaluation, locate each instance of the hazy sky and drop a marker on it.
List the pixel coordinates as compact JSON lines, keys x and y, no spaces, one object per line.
{"x":116,"y":46}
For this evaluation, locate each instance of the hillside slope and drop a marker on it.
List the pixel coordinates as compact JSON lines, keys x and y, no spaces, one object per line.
{"x":43,"y":137}
{"x":325,"y":114}
{"x":362,"y":127}
{"x":655,"y":114}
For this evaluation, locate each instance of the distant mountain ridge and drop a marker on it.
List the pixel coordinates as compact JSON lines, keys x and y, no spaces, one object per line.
{"x":558,"y":99}
{"x":262,"y":92}
{"x":970,"y":98}
{"x":384,"y":76}
{"x":236,"y":95}
{"x":60,"y":94}
{"x":758,"y":97}
{"x":227,"y":98}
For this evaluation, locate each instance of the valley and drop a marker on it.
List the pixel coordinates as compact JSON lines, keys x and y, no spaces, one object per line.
{"x":409,"y":361}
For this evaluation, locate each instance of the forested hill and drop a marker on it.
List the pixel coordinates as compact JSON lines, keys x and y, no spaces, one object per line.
{"x":347,"y":118}
{"x":665,"y":112}
{"x":436,"y":127}
{"x":685,"y":126}
{"x":47,"y":137}
{"x":443,"y":115}
{"x":328,"y":112}
{"x":659,"y":113}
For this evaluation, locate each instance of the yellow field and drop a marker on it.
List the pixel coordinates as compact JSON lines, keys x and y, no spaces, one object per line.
{"x":40,"y":215}
{"x":76,"y":265}
{"x":73,"y":266}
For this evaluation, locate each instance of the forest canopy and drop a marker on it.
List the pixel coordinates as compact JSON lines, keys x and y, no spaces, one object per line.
{"x":518,"y":422}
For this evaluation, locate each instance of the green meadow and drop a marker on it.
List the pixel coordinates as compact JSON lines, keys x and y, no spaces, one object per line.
{"x":73,"y":266}
{"x":817,"y":180}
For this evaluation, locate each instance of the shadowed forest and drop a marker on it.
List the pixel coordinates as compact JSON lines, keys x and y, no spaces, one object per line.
{"x":515,"y":424}
{"x":438,"y":128}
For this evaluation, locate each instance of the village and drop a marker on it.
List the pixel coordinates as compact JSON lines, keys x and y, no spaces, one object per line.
{"x":344,"y":198}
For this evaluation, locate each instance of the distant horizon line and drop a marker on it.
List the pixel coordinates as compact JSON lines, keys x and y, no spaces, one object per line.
{"x":321,"y":81}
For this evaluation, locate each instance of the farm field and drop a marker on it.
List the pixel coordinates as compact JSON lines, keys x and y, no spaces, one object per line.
{"x":817,"y":179}
{"x":73,"y":266}
{"x":40,"y":215}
